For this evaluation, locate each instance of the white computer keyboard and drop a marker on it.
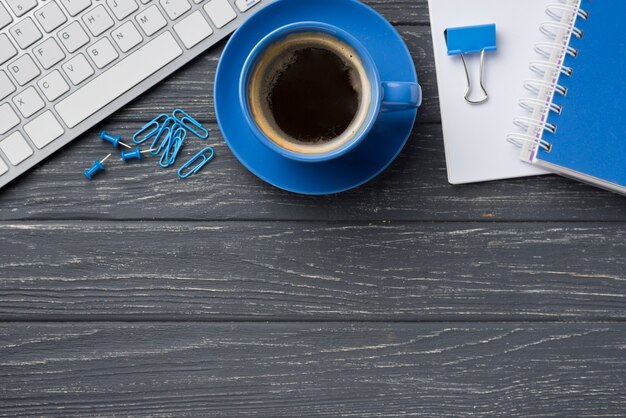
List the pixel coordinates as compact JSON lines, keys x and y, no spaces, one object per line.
{"x":67,"y":64}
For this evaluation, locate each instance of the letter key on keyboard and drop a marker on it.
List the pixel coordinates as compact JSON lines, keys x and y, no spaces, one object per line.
{"x":50,"y":16}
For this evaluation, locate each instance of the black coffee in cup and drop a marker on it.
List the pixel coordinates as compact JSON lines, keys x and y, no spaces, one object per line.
{"x":313,"y":97}
{"x":309,"y":93}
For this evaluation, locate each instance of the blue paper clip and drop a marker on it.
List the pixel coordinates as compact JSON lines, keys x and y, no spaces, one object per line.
{"x":154,"y":124}
{"x":472,"y":40}
{"x":177,"y":139}
{"x":162,"y":138}
{"x":200,"y":156}
{"x":190,"y":124}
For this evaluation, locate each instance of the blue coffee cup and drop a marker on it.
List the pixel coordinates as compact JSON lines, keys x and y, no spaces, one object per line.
{"x":376,"y":95}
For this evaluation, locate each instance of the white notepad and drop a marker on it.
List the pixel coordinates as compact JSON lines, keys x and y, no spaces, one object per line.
{"x":475,"y":135}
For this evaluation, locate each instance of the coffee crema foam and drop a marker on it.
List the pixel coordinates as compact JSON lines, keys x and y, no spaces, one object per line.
{"x":346,"y":111}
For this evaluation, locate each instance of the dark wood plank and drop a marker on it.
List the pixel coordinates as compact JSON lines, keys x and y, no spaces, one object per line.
{"x":415,"y":187}
{"x":316,"y":369}
{"x":413,"y":12}
{"x":312,"y":271}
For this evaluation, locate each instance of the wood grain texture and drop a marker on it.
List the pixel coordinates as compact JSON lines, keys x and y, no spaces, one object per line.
{"x":414,"y":188}
{"x":316,"y":369}
{"x":417,"y":269}
{"x":312,"y":271}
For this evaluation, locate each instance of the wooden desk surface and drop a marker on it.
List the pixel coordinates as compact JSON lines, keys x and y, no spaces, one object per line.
{"x":140,"y":294}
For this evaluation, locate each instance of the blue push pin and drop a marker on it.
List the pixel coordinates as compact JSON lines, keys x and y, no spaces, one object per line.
{"x":113,"y":140}
{"x":97,"y":167}
{"x":134,"y":155}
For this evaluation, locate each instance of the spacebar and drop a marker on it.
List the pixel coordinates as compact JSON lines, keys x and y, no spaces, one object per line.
{"x":118,"y":79}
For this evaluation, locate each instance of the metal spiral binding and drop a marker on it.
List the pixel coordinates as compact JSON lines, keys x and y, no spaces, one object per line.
{"x":559,"y":31}
{"x":542,"y":67}
{"x":526,"y":123}
{"x":532,"y":104}
{"x":520,"y":140}
{"x":551,"y":11}
{"x":546,"y":49}
{"x":534,"y":86}
{"x":547,"y":29}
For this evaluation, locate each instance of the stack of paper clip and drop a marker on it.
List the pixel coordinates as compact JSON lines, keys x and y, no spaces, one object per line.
{"x":168,"y":134}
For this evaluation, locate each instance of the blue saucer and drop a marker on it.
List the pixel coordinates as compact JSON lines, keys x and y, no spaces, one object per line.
{"x":373,"y":155}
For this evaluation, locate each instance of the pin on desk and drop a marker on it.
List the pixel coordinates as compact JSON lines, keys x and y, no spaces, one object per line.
{"x":472,"y":40}
{"x":134,"y":155}
{"x":96,"y":168}
{"x":116,"y":141}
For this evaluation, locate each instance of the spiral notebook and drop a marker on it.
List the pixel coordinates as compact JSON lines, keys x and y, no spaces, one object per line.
{"x":574,"y":123}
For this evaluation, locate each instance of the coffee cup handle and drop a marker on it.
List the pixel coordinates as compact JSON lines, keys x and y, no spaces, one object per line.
{"x":401,"y":96}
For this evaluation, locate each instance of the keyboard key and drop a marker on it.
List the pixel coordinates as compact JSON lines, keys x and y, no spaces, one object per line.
{"x":28,"y":102}
{"x":175,"y":8}
{"x":25,"y":32}
{"x":53,"y":85}
{"x":122,"y":8}
{"x":78,"y":69}
{"x":8,"y":118}
{"x":126,"y":36}
{"x":50,"y":16}
{"x":220,"y":12}
{"x":74,"y":7}
{"x":7,"y":50}
{"x":43,"y":129}
{"x":193,"y":29}
{"x":48,"y":53}
{"x":97,"y":20}
{"x":3,"y":167}
{"x":151,"y":20}
{"x":16,"y":148}
{"x":118,"y":79}
{"x":24,"y":69}
{"x":20,"y":7}
{"x":244,"y":5}
{"x":6,"y":85}
{"x":5,"y":17}
{"x":73,"y":37}
{"x":102,"y":53}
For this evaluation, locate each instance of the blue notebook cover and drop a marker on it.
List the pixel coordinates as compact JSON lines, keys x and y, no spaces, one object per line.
{"x":590,"y":141}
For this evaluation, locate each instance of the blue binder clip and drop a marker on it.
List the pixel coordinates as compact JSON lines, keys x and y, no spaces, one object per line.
{"x":472,"y":40}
